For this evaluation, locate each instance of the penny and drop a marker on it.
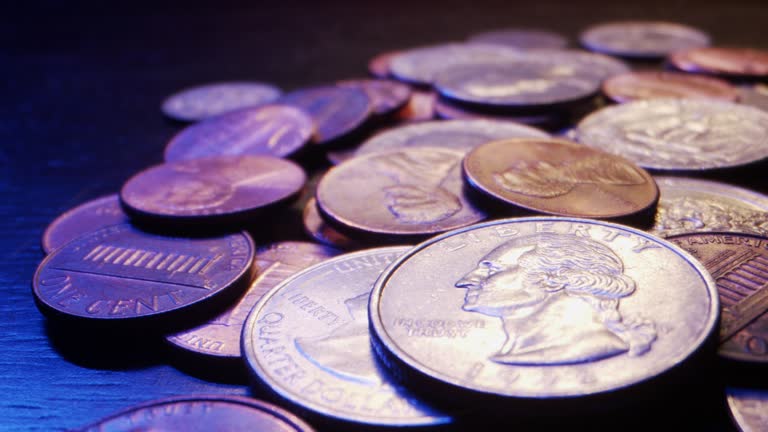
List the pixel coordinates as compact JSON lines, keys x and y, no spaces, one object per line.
{"x":386,"y":96}
{"x":531,"y":309}
{"x":521,"y":39}
{"x":754,"y":95}
{"x":220,"y":337}
{"x":318,"y":319}
{"x":397,"y":195}
{"x":82,"y":219}
{"x":199,"y":413}
{"x":657,"y":84}
{"x":693,"y":205}
{"x":679,"y":134}
{"x":461,"y":135}
{"x":378,"y":67}
{"x":448,"y":111}
{"x":730,"y":62}
{"x":336,"y":111}
{"x":559,"y":177}
{"x":315,"y":226}
{"x":642,"y":39}
{"x":420,"y":107}
{"x":211,"y":190}
{"x":273,"y":130}
{"x":748,"y":408}
{"x":198,"y":103}
{"x":120,"y":274}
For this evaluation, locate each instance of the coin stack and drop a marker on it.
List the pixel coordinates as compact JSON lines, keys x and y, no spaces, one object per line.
{"x":546,"y":254}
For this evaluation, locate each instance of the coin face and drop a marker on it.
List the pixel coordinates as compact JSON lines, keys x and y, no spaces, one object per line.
{"x":733,"y":62}
{"x":461,"y":135}
{"x":748,"y":408}
{"x":386,"y":96}
{"x":600,"y":66}
{"x":198,"y":103}
{"x":679,"y":134}
{"x":200,"y":413}
{"x":315,"y":226}
{"x":521,"y":39}
{"x":313,"y":328}
{"x":643,"y":39}
{"x":658,"y":84}
{"x":559,"y":177}
{"x":397,"y":194}
{"x":692,"y":205}
{"x":739,"y":264}
{"x":220,"y":337}
{"x":336,"y":111}
{"x":212,"y":189}
{"x":541,"y":308}
{"x":119,"y":273}
{"x":82,"y":219}
{"x":273,"y":130}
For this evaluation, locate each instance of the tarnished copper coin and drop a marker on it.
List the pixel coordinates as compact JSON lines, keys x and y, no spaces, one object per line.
{"x":397,"y":195}
{"x":748,"y":408}
{"x":119,"y":273}
{"x":386,"y":95}
{"x":201,"y":413}
{"x":315,"y":226}
{"x":739,"y":264}
{"x":420,"y":107}
{"x":540,"y":311}
{"x":559,"y":177}
{"x":336,"y":111}
{"x":220,"y":337}
{"x":642,"y":39}
{"x":273,"y":130}
{"x":198,"y":103}
{"x":82,"y":219}
{"x":211,"y":190}
{"x":379,"y":66}
{"x":693,"y":205}
{"x":523,"y":39}
{"x":730,"y":62}
{"x":658,"y":84}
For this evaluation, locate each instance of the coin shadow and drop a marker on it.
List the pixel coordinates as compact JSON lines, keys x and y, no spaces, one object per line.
{"x":221,"y":371}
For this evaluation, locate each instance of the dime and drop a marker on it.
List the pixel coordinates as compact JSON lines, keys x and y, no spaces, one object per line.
{"x":220,"y":337}
{"x":445,"y":110}
{"x":336,"y":111}
{"x":692,"y":205}
{"x":653,"y":84}
{"x":523,"y":39}
{"x":461,"y":135}
{"x":315,"y":226}
{"x":121,"y":274}
{"x":730,"y":62}
{"x":82,"y":219}
{"x":199,"y":413}
{"x":642,"y":39}
{"x":198,"y":103}
{"x":400,"y":194}
{"x":739,"y":264}
{"x":754,"y":95}
{"x":536,"y":309}
{"x":273,"y":130}
{"x":679,"y":134}
{"x":313,"y":328}
{"x":559,"y":177}
{"x":211,"y":190}
{"x":378,"y":67}
{"x":420,"y":106}
{"x":748,"y":408}
{"x":386,"y":96}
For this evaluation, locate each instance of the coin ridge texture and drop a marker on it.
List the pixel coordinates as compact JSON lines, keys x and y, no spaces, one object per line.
{"x":512,"y":338}
{"x":86,"y":217}
{"x":308,"y":341}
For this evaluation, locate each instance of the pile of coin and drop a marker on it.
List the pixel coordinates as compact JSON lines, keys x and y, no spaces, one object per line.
{"x":536,"y":278}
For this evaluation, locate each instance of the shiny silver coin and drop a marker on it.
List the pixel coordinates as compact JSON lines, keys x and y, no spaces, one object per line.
{"x":461,"y":135}
{"x":600,"y":66}
{"x":308,"y":341}
{"x":754,"y":95}
{"x":749,"y":408}
{"x":541,"y":308}
{"x":678,"y":134}
{"x":642,"y":39}
{"x":522,"y":39}
{"x":198,"y":103}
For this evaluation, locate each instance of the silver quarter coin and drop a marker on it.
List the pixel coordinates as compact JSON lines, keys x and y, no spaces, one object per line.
{"x":197,"y":103}
{"x":749,"y":408}
{"x":521,"y":39}
{"x":643,"y":39}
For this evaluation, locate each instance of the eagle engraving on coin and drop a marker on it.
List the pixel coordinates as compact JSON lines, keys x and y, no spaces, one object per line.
{"x":558,"y":298}
{"x":680,"y":215}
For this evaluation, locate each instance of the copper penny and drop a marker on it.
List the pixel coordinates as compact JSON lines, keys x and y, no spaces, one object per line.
{"x":205,"y":101}
{"x":387,"y":96}
{"x":559,"y":177}
{"x":729,"y":62}
{"x":201,"y":413}
{"x":121,"y":274}
{"x":748,"y":408}
{"x":82,"y":219}
{"x":315,"y":226}
{"x":273,"y":130}
{"x":211,"y":190}
{"x":653,"y":84}
{"x":739,"y":264}
{"x":379,"y":65}
{"x":220,"y":337}
{"x":420,"y":107}
{"x":401,"y":194}
{"x":642,"y":39}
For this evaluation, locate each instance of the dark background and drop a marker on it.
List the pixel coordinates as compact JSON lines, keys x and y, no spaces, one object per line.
{"x":80,"y":90}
